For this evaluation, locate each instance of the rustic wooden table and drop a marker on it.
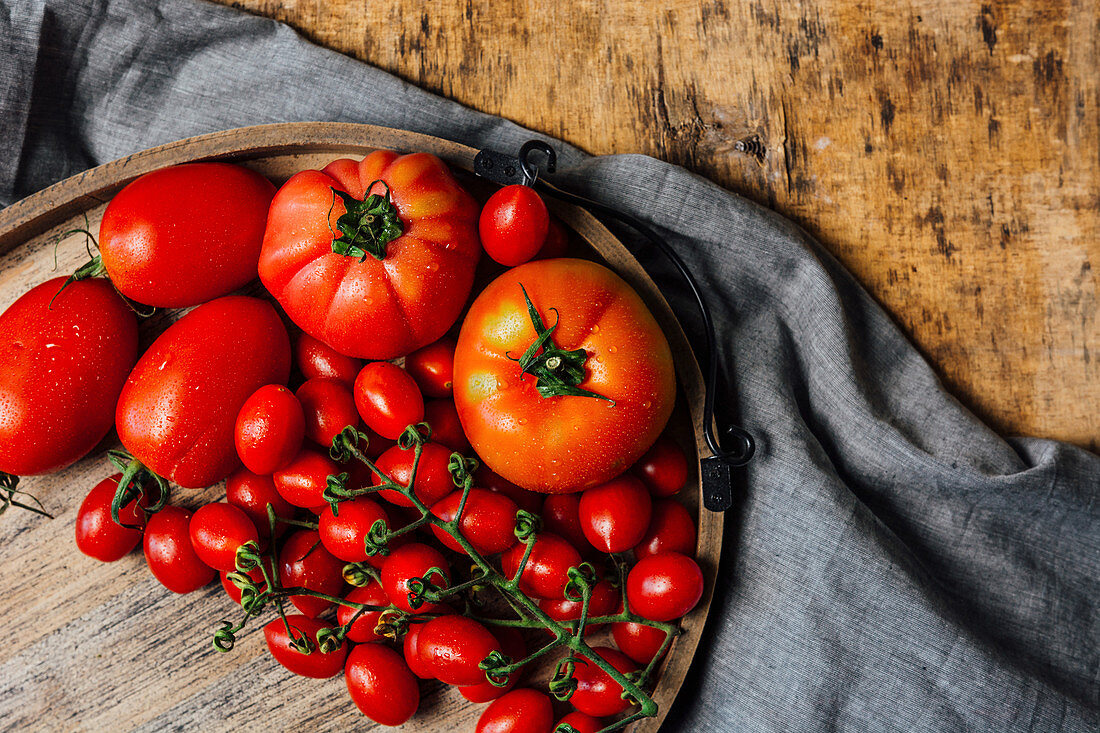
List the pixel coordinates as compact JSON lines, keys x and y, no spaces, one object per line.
{"x":947,"y":152}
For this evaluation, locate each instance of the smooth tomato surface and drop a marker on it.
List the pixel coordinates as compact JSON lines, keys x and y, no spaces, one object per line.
{"x":269,"y":429}
{"x":217,"y":532}
{"x":317,"y":359}
{"x":388,"y":399}
{"x":670,"y":530}
{"x":253,"y":493}
{"x":317,"y":665}
{"x":546,"y":572}
{"x":362,"y":629}
{"x":343,"y":534}
{"x":453,"y":646}
{"x":597,"y":694}
{"x":664,"y":587}
{"x":178,"y":409}
{"x":381,"y":684}
{"x":562,"y":443}
{"x":302,"y":482}
{"x":433,"y":368}
{"x":63,"y":368}
{"x":513,"y":225}
{"x":488,"y":521}
{"x":615,"y":516}
{"x":410,"y":561}
{"x":360,"y":305}
{"x":519,"y":711}
{"x":328,"y":408}
{"x":97,"y":535}
{"x":169,"y":553}
{"x":638,"y":641}
{"x":663,"y":468}
{"x":513,"y":645}
{"x":305,"y":563}
{"x":184,"y":235}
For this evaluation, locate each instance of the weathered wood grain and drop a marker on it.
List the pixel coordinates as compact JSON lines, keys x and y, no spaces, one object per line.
{"x":947,"y":152}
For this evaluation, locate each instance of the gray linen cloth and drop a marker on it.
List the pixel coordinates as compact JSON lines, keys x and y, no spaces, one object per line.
{"x":892,"y":564}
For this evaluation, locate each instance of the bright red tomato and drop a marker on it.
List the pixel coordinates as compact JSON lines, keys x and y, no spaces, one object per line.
{"x":396,"y":274}
{"x":453,"y":646}
{"x":561,"y":515}
{"x":433,"y":478}
{"x":488,"y":521}
{"x":615,"y":516}
{"x":597,"y":694}
{"x":169,"y":553}
{"x":513,"y":225}
{"x":513,"y":646}
{"x":581,"y":723}
{"x":528,"y":501}
{"x":545,"y":574}
{"x":316,"y":664}
{"x":604,"y":601}
{"x":411,"y":649}
{"x":362,"y":630}
{"x":413,"y":561}
{"x":433,"y":367}
{"x":442,"y":417}
{"x":269,"y":429}
{"x":218,"y":531}
{"x":179,"y":407}
{"x":184,"y":235}
{"x":64,"y":366}
{"x":316,"y":359}
{"x":252,"y":493}
{"x":303,"y":481}
{"x":388,"y":399}
{"x":343,"y":534}
{"x":519,"y":711}
{"x":328,"y":407}
{"x":638,"y":641}
{"x":664,"y":587}
{"x":305,"y":563}
{"x":663,"y":468}
{"x":97,"y":535}
{"x":605,"y":342}
{"x":234,"y":592}
{"x":381,"y":684}
{"x":670,"y":530}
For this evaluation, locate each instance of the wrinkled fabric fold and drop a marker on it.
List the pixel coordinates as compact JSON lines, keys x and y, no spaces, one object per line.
{"x":892,"y":563}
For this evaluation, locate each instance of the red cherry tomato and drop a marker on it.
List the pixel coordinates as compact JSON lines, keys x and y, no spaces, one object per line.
{"x":670,"y":530}
{"x":184,"y":235}
{"x":556,"y":244}
{"x":388,"y":399}
{"x":604,"y":601}
{"x":217,"y":532}
{"x":511,"y":642}
{"x":413,"y":561}
{"x":528,"y":501}
{"x":178,"y":410}
{"x":305,"y":563}
{"x":638,"y":641}
{"x":316,"y":359}
{"x":316,"y":664}
{"x":453,"y":646}
{"x":343,"y":534}
{"x":663,"y":468}
{"x":519,"y":711}
{"x":513,"y":225}
{"x":97,"y":535}
{"x":169,"y":553}
{"x":581,"y":723}
{"x":664,"y":587}
{"x":252,"y":493}
{"x":303,"y":481}
{"x":234,"y":592}
{"x":328,"y":408}
{"x":381,"y":685}
{"x":362,"y":630}
{"x":561,"y":515}
{"x":615,"y":515}
{"x":433,"y":368}
{"x":442,"y":417}
{"x":597,"y":694}
{"x":64,"y":360}
{"x":269,"y":430}
{"x":488,"y":521}
{"x":433,"y":477}
{"x":545,"y":573}
{"x":411,"y":650}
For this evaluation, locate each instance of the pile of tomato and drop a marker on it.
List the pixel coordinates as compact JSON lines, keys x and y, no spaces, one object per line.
{"x":450,"y":472}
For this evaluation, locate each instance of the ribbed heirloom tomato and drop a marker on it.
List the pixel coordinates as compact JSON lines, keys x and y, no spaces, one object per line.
{"x":577,"y":406}
{"x":374,"y":258}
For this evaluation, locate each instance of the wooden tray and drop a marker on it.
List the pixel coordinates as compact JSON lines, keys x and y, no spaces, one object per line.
{"x":104,"y":646}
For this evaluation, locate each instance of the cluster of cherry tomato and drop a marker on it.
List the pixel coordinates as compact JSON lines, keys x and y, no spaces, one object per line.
{"x":521,"y":463}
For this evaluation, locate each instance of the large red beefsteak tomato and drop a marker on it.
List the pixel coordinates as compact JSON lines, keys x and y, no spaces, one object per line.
{"x":562,"y":377}
{"x":178,"y":409}
{"x":374,"y":258}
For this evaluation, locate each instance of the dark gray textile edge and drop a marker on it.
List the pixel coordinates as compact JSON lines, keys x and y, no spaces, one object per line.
{"x":894,"y":566}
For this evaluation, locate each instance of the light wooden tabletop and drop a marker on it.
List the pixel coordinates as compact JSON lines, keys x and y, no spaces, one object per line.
{"x":947,"y":152}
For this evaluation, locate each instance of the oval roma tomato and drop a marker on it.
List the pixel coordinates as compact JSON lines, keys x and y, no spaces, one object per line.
{"x":375,"y":258}
{"x":305,"y":563}
{"x":615,"y":516}
{"x":513,"y":225}
{"x":546,"y":572}
{"x":432,"y":481}
{"x":343,"y":534}
{"x":582,"y":723}
{"x":97,"y":535}
{"x":638,"y":641}
{"x":362,"y":629}
{"x":519,"y":711}
{"x":664,"y":587}
{"x":488,"y":521}
{"x":317,"y":664}
{"x":184,"y":235}
{"x":381,"y":684}
{"x":597,"y":694}
{"x":388,"y":399}
{"x":63,"y":367}
{"x":218,"y":531}
{"x":514,"y":647}
{"x":317,"y":359}
{"x":169,"y":553}
{"x":413,"y":561}
{"x":303,"y":481}
{"x":252,"y":493}
{"x":178,"y":409}
{"x":410,"y":648}
{"x":453,"y":646}
{"x":328,"y":408}
{"x":604,"y":601}
{"x":269,"y":430}
{"x":582,"y":407}
{"x":255,"y":574}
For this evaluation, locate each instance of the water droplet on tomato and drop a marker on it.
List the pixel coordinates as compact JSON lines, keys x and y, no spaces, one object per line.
{"x":523,"y":421}
{"x":612,"y":349}
{"x":647,"y":404}
{"x":595,"y":329}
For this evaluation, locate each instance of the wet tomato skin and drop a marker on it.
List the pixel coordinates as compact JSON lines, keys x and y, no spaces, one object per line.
{"x":381,"y":684}
{"x":305,"y":563}
{"x":252,"y":493}
{"x":453,"y":646}
{"x":432,"y":367}
{"x":597,"y":694}
{"x":671,"y":529}
{"x":217,"y":531}
{"x":545,"y":574}
{"x":664,"y":587}
{"x":520,"y":711}
{"x":317,"y":665}
{"x":615,"y":516}
{"x":269,"y":429}
{"x":97,"y":535}
{"x":363,"y":628}
{"x":328,"y":408}
{"x":169,"y":553}
{"x":316,"y":359}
